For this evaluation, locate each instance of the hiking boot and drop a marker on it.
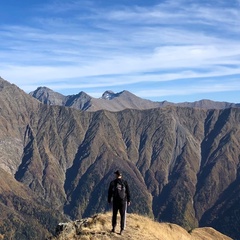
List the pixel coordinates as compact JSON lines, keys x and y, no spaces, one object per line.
{"x":121,"y":232}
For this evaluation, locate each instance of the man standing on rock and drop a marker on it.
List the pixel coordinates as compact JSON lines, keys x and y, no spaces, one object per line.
{"x":119,"y":195}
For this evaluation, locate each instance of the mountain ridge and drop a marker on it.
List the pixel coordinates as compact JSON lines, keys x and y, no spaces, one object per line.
{"x":116,"y":101}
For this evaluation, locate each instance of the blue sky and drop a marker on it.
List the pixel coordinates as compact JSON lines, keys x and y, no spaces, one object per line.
{"x":159,"y":50}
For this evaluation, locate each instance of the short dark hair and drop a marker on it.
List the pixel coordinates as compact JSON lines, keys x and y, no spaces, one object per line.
{"x":118,"y":173}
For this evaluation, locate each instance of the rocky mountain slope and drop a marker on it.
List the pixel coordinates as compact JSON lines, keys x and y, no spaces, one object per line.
{"x":116,"y":101}
{"x":138,"y":228}
{"x":23,"y":214}
{"x":182,"y":164}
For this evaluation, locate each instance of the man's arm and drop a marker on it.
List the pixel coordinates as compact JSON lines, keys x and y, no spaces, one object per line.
{"x":128,"y":193}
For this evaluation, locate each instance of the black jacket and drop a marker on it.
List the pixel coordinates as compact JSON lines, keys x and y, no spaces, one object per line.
{"x":112,"y":187}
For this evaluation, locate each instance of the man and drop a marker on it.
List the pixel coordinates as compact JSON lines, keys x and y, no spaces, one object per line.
{"x":119,"y":195}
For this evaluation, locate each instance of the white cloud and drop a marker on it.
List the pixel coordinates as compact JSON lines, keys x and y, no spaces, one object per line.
{"x":192,"y":89}
{"x":121,"y":46}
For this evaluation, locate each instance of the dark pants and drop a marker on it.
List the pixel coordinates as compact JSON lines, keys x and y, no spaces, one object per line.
{"x":121,"y":207}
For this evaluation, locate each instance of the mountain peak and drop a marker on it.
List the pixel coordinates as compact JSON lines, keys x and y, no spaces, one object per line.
{"x":108,"y":95}
{"x":47,"y":96}
{"x":42,"y":90}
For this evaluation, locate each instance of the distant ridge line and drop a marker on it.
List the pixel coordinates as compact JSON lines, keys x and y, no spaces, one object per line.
{"x":117,"y":101}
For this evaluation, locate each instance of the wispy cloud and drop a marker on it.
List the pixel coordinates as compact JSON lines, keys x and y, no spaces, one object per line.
{"x":204,"y":87}
{"x":73,"y":45}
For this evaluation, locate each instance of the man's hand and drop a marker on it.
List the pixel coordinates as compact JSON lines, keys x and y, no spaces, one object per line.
{"x":129,"y":203}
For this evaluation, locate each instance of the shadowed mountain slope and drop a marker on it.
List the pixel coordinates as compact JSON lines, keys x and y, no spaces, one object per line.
{"x":116,"y":101}
{"x":181,"y":163}
{"x":23,"y":214}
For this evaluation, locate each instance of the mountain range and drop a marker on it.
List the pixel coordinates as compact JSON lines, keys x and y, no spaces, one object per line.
{"x":182,"y":163}
{"x":116,"y":101}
